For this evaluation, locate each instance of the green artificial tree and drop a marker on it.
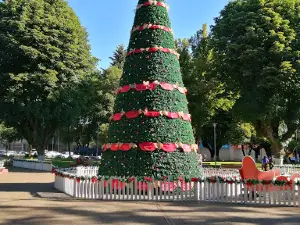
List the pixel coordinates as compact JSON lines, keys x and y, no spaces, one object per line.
{"x":150,"y":133}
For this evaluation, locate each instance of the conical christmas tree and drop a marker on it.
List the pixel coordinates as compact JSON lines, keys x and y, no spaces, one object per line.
{"x":150,"y":134}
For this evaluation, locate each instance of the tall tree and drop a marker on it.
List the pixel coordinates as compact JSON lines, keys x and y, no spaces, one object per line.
{"x":256,"y":55}
{"x":207,"y":95}
{"x":44,"y":56}
{"x":118,"y":57}
{"x":99,"y":90}
{"x":150,"y":133}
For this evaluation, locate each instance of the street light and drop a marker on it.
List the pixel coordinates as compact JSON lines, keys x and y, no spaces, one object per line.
{"x":215,"y":143}
{"x":97,"y":153}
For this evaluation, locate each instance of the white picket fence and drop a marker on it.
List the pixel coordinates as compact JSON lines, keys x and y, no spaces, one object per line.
{"x":1,"y":164}
{"x":288,"y":169}
{"x":32,"y":164}
{"x":208,"y":172}
{"x":191,"y":191}
{"x":84,"y":171}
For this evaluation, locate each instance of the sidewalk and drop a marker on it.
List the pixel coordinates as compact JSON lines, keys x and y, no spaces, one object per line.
{"x":28,"y":197}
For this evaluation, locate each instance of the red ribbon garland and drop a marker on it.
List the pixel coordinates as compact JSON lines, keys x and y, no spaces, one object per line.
{"x":135,"y":113}
{"x":151,"y":26}
{"x":150,"y":147}
{"x":151,"y":86}
{"x":152,"y":50}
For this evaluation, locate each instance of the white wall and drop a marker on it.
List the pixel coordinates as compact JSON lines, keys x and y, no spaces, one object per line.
{"x":231,"y":154}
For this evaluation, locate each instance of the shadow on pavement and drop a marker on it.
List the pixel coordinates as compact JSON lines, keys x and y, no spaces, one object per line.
{"x":161,"y":214}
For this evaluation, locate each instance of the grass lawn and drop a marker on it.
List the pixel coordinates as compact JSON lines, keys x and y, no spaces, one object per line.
{"x":65,"y":163}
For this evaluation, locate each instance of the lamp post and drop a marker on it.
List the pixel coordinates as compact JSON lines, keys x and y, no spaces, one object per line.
{"x":215,"y":143}
{"x":97,"y":153}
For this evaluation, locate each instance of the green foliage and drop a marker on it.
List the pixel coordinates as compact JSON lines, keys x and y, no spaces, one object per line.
{"x":256,"y":54}
{"x":207,"y":95}
{"x":44,"y":57}
{"x":118,"y":57}
{"x":293,"y":146}
{"x":162,"y":67}
{"x":99,"y":96}
{"x":8,"y":134}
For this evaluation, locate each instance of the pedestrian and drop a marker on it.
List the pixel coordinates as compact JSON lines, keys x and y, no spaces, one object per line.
{"x":264,"y":163}
{"x":271,"y":162}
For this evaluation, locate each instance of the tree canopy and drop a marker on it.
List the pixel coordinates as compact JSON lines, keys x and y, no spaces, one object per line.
{"x":256,"y":55}
{"x":44,"y":56}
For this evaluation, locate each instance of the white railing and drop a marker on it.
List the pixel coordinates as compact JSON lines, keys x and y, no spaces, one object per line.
{"x":84,"y":171}
{"x":1,"y":164}
{"x":178,"y":191}
{"x":87,"y":171}
{"x":208,"y":172}
{"x":32,"y":164}
{"x":288,"y":169}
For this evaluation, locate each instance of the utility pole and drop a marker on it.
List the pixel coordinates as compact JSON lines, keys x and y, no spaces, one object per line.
{"x":97,"y":153}
{"x":215,"y":143}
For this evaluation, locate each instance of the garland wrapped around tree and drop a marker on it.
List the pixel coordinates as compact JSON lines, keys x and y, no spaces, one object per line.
{"x":150,"y":132}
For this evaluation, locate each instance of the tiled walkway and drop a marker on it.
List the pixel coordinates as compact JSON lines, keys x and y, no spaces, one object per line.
{"x":28,"y":197}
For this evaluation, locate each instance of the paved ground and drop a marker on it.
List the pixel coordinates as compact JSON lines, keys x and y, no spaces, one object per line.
{"x":28,"y":197}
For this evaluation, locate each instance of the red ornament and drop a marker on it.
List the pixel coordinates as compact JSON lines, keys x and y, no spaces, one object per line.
{"x":125,"y":147}
{"x":125,"y":89}
{"x":117,"y":116}
{"x":152,"y":114}
{"x":166,"y":86}
{"x":140,"y":87}
{"x":152,"y":86}
{"x":172,"y":115}
{"x":148,"y":146}
{"x":169,"y":147}
{"x":153,"y":49}
{"x":114,"y":147}
{"x":132,"y":114}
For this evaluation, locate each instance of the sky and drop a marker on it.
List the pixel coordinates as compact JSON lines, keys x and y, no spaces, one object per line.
{"x":109,"y":22}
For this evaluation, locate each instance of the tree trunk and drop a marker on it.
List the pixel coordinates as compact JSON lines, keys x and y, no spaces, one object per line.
{"x":276,"y":146}
{"x":41,"y":151}
{"x":265,"y":129}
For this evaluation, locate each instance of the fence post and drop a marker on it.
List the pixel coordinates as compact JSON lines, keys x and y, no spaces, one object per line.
{"x":196,"y":185}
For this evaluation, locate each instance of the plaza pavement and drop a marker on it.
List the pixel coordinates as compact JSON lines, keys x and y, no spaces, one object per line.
{"x":28,"y":197}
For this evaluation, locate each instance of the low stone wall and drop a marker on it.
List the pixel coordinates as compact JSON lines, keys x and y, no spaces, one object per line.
{"x":32,"y":164}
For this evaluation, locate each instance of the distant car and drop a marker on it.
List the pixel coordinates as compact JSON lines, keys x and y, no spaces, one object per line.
{"x":52,"y":154}
{"x":96,"y":157}
{"x":75,"y":156}
{"x":11,"y":153}
{"x":22,"y":153}
{"x":2,"y":153}
{"x":66,"y":155}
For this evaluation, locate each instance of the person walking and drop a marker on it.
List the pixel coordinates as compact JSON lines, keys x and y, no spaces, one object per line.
{"x":271,"y":162}
{"x":264,"y":163}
